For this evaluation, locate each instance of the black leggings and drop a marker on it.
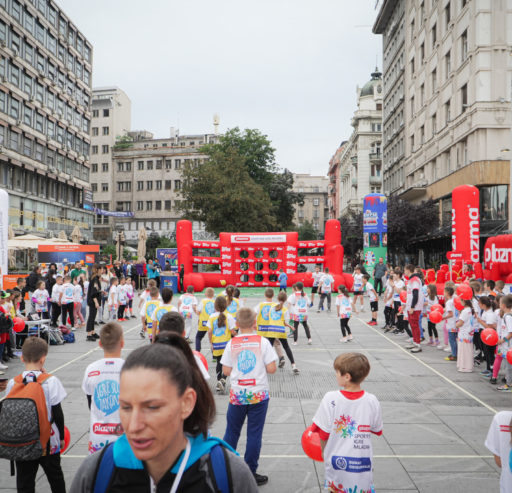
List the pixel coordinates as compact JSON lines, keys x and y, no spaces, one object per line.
{"x":402,"y":324}
{"x":432,"y":330}
{"x":345,"y":329}
{"x":477,"y":341}
{"x":286,"y":346}
{"x":55,"y":313}
{"x":218,"y":368}
{"x":489,"y":354}
{"x":120,"y":311}
{"x":396,"y":307}
{"x":296,"y":332}
{"x":26,"y":472}
{"x":199,"y":337}
{"x":389,"y":315}
{"x":92,"y":317}
{"x":67,"y":309}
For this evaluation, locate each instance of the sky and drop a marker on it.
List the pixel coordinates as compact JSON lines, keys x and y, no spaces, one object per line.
{"x":286,"y":67}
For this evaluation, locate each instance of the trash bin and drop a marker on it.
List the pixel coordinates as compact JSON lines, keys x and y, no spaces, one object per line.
{"x":169,"y":282}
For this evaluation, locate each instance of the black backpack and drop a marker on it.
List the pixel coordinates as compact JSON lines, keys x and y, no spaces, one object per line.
{"x":6,"y":323}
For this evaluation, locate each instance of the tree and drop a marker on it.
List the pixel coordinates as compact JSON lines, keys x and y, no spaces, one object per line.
{"x":222,"y":194}
{"x":352,"y":232}
{"x":123,"y":142}
{"x":259,"y":159}
{"x":151,"y":244}
{"x":307,"y":232}
{"x":109,"y":250}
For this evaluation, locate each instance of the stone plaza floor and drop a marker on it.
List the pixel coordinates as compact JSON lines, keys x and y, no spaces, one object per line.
{"x":435,"y":419}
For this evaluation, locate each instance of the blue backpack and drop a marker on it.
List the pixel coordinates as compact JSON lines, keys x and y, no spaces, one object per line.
{"x":220,"y":467}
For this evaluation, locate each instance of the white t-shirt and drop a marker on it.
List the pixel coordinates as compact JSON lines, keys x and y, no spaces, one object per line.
{"x":388,"y":294}
{"x":188,"y":302}
{"x":56,"y":290}
{"x":327,"y":281}
{"x":414,"y":283}
{"x":498,"y":441}
{"x":129,"y":291}
{"x":399,"y":285}
{"x":101,"y":382}
{"x":489,"y":317}
{"x":348,"y":452}
{"x":466,"y":330}
{"x":54,"y":393}
{"x":358,"y":282}
{"x":504,"y":329}
{"x":67,"y":293}
{"x":345,"y":306}
{"x":78,"y":293}
{"x":112,"y":295}
{"x":105,"y":282}
{"x":122,"y":295}
{"x":429,"y":303}
{"x":248,"y":355}
{"x":478,"y":311}
{"x":317,"y":277}
{"x":299,"y":307}
{"x":370,"y":291}
{"x":41,"y":296}
{"x":450,"y":322}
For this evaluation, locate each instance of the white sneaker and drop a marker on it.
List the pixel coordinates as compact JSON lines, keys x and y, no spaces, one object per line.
{"x":409,"y":339}
{"x":219,"y":387}
{"x":343,"y":339}
{"x":440,"y":346}
{"x":362,"y":310}
{"x":3,"y":367}
{"x":410,"y":346}
{"x":310,"y":342}
{"x":447,"y":349}
{"x":294,"y":343}
{"x":350,"y":337}
{"x":295,"y":370}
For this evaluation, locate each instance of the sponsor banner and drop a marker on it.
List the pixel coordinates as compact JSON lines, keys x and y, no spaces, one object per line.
{"x":466,"y":222}
{"x":66,"y":254}
{"x":168,"y":255}
{"x":249,"y":238}
{"x":102,"y":212}
{"x":375,"y":230}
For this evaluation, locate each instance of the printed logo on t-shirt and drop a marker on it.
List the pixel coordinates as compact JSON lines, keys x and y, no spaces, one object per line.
{"x":106,"y":396}
{"x":346,"y":426}
{"x":150,"y":310}
{"x":265,"y":312}
{"x":68,"y":292}
{"x":301,"y":303}
{"x":274,"y":315}
{"x":351,"y":464}
{"x":232,"y":307}
{"x":218,"y":331}
{"x":246,"y":361}
{"x":209,"y":308}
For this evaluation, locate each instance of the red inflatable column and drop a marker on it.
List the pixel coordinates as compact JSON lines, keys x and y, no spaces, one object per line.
{"x":333,"y":251}
{"x":466,"y":222}
{"x":184,"y":242}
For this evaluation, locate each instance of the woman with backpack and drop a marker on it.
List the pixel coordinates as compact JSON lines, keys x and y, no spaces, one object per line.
{"x":165,"y":446}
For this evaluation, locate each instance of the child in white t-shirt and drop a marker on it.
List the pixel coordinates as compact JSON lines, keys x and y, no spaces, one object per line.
{"x":101,"y":386}
{"x":449,"y":316}
{"x":40,"y":299}
{"x":130,"y":295}
{"x":122,"y":299}
{"x":488,"y":320}
{"x":78,"y":298}
{"x":499,"y":442}
{"x":112,"y":301}
{"x":430,"y":300}
{"x":372,"y":295}
{"x":344,"y":312}
{"x":505,"y":336}
{"x":389,"y":314}
{"x":345,"y":421}
{"x":55,"y":299}
{"x":66,"y":301}
{"x":299,"y":304}
{"x":187,"y":306}
{"x":358,"y":288}
{"x":465,"y":326}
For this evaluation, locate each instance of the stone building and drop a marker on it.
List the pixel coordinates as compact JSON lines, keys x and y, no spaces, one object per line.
{"x":314,"y":210}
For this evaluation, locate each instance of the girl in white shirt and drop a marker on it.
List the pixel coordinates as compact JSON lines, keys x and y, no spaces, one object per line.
{"x":40,"y":299}
{"x":488,"y":320}
{"x":430,"y":300}
{"x":299,"y":304}
{"x":78,"y":298}
{"x":465,"y":325}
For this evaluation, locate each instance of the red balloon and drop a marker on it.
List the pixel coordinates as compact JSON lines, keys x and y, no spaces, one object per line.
{"x":437,"y":308}
{"x":509,"y":356}
{"x":457,"y":302}
{"x":18,"y":324}
{"x":67,"y":439}
{"x":464,"y":291}
{"x":435,"y":317}
{"x":403,"y":296}
{"x":489,"y":337}
{"x":202,"y":358}
{"x":311,"y":444}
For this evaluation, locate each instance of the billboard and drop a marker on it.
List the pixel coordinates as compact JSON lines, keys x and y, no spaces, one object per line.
{"x":466,"y":222}
{"x":375,"y":230}
{"x":4,"y":227}
{"x":168,"y":255}
{"x":68,"y":254}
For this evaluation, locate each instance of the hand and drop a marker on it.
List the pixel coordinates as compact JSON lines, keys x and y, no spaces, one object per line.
{"x":61,"y":444}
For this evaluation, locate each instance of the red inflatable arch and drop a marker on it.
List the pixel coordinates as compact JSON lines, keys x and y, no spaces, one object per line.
{"x":255,"y":259}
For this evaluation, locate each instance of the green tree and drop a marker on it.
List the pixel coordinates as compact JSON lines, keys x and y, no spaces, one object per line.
{"x":307,"y":232}
{"x":123,"y":142}
{"x":259,"y":159}
{"x":352,"y":232}
{"x":152,"y":243}
{"x":109,"y":250}
{"x":166,"y":242}
{"x":222,"y":194}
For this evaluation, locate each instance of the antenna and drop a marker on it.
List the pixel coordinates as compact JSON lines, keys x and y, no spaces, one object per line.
{"x":216,"y":121}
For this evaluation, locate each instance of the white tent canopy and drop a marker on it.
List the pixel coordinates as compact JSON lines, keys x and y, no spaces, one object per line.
{"x":29,"y":241}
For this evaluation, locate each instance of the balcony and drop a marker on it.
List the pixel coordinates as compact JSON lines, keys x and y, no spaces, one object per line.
{"x":354,"y":182}
{"x":376,"y":156}
{"x":353,"y":159}
{"x":375,"y":180}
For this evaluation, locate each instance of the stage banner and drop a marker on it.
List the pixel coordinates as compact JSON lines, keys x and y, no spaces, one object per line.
{"x":4,"y":227}
{"x":170,"y":255}
{"x":375,"y":230}
{"x":68,"y":254}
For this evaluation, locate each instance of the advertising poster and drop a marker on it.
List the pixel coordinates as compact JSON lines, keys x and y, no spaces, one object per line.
{"x":4,"y":227}
{"x":170,"y":255}
{"x":375,"y":230}
{"x":68,"y":254}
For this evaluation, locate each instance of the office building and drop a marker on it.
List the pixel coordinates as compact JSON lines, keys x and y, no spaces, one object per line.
{"x":315,"y":209}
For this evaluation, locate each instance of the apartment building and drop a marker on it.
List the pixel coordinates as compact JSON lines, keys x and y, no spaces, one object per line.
{"x":111,"y":120}
{"x":45,"y":93}
{"x":334,"y":175}
{"x":360,"y":165}
{"x":457,"y":73}
{"x":147,"y":180}
{"x":315,"y":209}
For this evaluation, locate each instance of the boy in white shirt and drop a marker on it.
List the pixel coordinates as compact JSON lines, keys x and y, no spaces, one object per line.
{"x":499,"y":442}
{"x":66,"y":301}
{"x":130,"y":294}
{"x":345,"y":421}
{"x":164,"y":306}
{"x":101,"y":386}
{"x":112,"y":298}
{"x":325,"y":287}
{"x":187,"y":306}
{"x":122,"y":299}
{"x":317,"y":277}
{"x":247,"y":359}
{"x":358,"y":288}
{"x":374,"y":300}
{"x":40,"y":299}
{"x":55,"y":299}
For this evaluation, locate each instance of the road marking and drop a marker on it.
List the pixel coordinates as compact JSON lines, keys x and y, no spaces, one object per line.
{"x":438,"y":373}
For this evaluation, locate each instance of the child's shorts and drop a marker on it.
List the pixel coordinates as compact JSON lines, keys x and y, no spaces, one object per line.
{"x":374,"y":306}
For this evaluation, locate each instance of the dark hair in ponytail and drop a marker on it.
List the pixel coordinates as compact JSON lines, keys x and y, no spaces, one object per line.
{"x":487,"y":302}
{"x":230,"y":291}
{"x":174,"y":356}
{"x":300,"y":287}
{"x":281,"y":297}
{"x":220,"y":305}
{"x":468,"y":304}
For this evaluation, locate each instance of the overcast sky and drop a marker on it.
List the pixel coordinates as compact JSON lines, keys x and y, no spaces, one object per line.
{"x":287,"y":67}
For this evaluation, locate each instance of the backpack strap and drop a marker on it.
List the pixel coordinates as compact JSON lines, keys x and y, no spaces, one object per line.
{"x":104,"y":470}
{"x":221,"y":469}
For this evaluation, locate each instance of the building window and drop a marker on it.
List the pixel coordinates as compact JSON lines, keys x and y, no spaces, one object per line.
{"x":316,"y":202}
{"x":149,"y":185}
{"x":464,"y":45}
{"x":465,"y":153}
{"x":104,"y":167}
{"x":158,"y":205}
{"x":104,"y":187}
{"x":412,"y":107}
{"x":150,"y":164}
{"x":140,"y":185}
{"x":412,"y":143}
{"x":434,"y":37}
{"x":422,"y":94}
{"x":94,"y":168}
{"x":149,"y":205}
{"x":123,"y":206}
{"x":177,"y":184}
{"x":494,"y":203}
{"x":158,"y":184}
{"x":376,"y":127}
{"x":106,"y":113}
{"x":94,"y":149}
{"x":140,"y":165}
{"x":177,"y":163}
{"x":124,"y":186}
{"x":412,"y":30}
{"x":434,"y":80}
{"x":412,"y":66}
{"x":105,"y":130}
{"x":375,"y":170}
{"x":95,"y":113}
{"x":422,"y":134}
{"x":168,"y":184}
{"x":422,"y":53}
{"x":140,"y":205}
{"x":167,"y":205}
{"x":447,"y":15}
{"x":447,"y":111}
{"x":168,"y":164}
{"x":434,"y":124}
{"x":94,"y":131}
{"x":104,"y":149}
{"x":94,"y":187}
{"x":464,"y":97}
{"x":158,"y":164}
